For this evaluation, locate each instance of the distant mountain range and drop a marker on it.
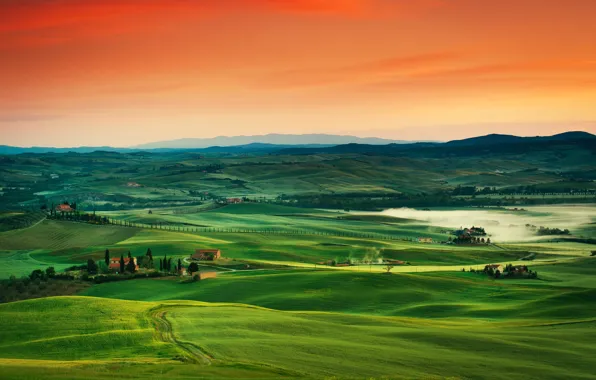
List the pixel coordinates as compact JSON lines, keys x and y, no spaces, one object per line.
{"x":507,"y":139}
{"x":274,"y":139}
{"x":488,"y":144}
{"x":311,"y":143}
{"x":247,"y":148}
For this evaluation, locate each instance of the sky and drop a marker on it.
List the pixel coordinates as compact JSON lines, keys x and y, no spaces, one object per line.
{"x":127,"y":72}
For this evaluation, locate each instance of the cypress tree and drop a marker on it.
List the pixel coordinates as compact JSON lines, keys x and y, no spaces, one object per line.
{"x":150,"y":254}
{"x":107,"y":259}
{"x":121,"y":264}
{"x":179,"y":265}
{"x":160,"y":264}
{"x":131,"y":267}
{"x":129,"y":255}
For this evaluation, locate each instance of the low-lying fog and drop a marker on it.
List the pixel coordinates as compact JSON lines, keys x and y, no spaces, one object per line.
{"x":505,"y":225}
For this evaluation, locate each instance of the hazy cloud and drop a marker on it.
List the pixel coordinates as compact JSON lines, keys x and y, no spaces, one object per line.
{"x":358,"y":72}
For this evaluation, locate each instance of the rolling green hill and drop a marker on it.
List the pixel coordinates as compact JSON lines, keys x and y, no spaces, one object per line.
{"x":413,"y":295}
{"x":62,"y":235}
{"x":363,"y":174}
{"x":95,"y":338}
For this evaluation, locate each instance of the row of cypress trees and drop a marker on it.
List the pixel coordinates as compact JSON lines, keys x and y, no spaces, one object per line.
{"x":165,"y":264}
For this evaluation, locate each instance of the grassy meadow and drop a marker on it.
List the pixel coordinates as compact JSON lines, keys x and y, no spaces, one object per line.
{"x":182,"y":339}
{"x":288,"y":316}
{"x":283,"y":235}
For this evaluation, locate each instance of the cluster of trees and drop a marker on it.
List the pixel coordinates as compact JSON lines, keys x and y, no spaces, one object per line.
{"x":99,"y":271}
{"x":74,"y":215}
{"x":527,"y":190}
{"x":368,"y":259}
{"x":39,"y":283}
{"x":510,"y":271}
{"x":545,"y":231}
{"x":470,"y":190}
{"x":466,"y":239}
{"x":376,"y":202}
{"x":182,"y":169}
{"x":128,"y":266}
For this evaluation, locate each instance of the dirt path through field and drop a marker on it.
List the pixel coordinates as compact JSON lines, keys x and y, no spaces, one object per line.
{"x":33,"y":225}
{"x":163,"y":329}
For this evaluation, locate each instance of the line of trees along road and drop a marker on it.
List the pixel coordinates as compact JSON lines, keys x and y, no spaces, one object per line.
{"x":80,"y":217}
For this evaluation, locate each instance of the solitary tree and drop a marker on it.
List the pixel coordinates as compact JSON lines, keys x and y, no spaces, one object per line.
{"x":388,"y":268}
{"x":193,"y":267}
{"x":121,"y":264}
{"x":107,"y":258}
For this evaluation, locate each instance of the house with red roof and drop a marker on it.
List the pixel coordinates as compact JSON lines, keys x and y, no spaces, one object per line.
{"x":115,"y":263}
{"x":64,"y":208}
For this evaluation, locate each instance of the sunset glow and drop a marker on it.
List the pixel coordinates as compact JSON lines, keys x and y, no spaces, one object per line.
{"x":125,"y":72}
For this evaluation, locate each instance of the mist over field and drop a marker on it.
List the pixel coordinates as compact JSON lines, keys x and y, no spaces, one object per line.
{"x":505,"y":225}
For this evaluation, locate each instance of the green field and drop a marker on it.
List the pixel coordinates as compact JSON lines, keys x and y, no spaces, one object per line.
{"x":304,"y":240}
{"x":346,"y":180}
{"x":173,"y":340}
{"x":414,"y":295}
{"x":290,"y":316}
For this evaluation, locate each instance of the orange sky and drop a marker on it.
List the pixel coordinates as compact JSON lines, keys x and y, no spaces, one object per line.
{"x":125,"y":72}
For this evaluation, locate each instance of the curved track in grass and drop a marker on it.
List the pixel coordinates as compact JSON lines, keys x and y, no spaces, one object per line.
{"x":163,"y":329}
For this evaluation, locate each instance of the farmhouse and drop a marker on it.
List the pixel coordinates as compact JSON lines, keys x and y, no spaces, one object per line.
{"x":425,"y":240}
{"x":234,"y":200}
{"x":182,"y":271}
{"x":476,"y":231}
{"x":206,"y":254}
{"x":493,"y":267}
{"x":115,"y":263}
{"x":64,"y":208}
